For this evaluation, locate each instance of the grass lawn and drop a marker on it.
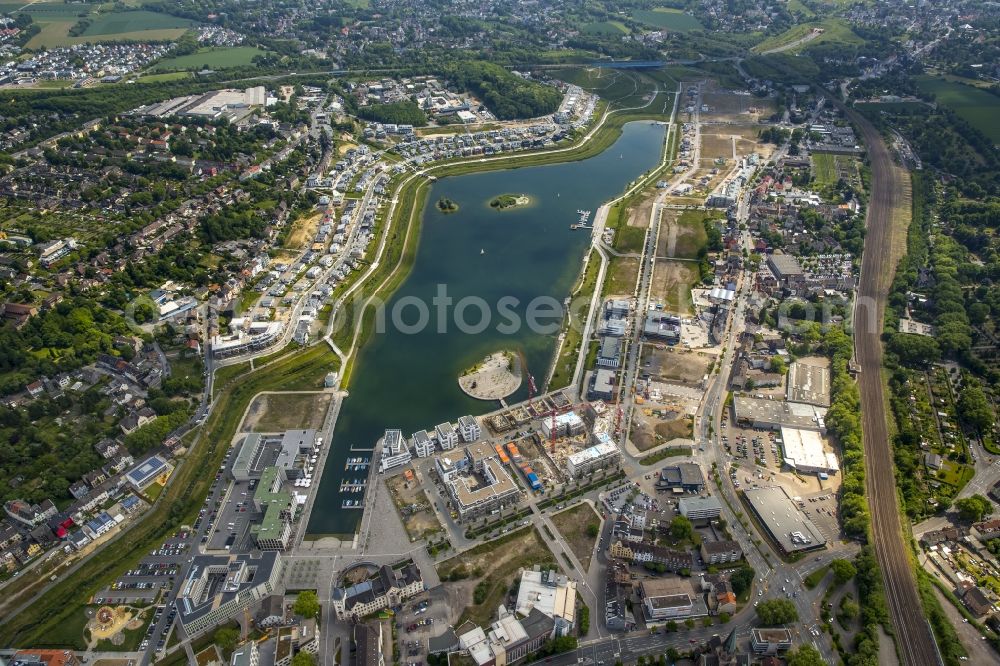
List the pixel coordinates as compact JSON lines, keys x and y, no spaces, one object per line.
{"x":215,"y":58}
{"x":691,"y":234}
{"x":835,"y":30}
{"x":153,"y":491}
{"x":574,"y":524}
{"x":167,"y":76}
{"x":824,"y":169}
{"x":816,"y":577}
{"x":663,"y":454}
{"x":975,"y":106}
{"x":493,"y":567}
{"x":604,"y":28}
{"x":667,"y":18}
{"x":68,"y":634}
{"x":622,"y":275}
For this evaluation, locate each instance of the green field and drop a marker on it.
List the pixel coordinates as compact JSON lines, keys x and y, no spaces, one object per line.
{"x":975,"y":106}
{"x":604,"y":28}
{"x":214,"y":58}
{"x":667,"y":19}
{"x":824,"y":169}
{"x":834,"y":31}
{"x":122,"y":22}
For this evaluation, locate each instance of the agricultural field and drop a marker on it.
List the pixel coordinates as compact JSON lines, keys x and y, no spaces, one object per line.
{"x":214,"y":58}
{"x":975,"y":106}
{"x":666,"y":18}
{"x":56,"y":20}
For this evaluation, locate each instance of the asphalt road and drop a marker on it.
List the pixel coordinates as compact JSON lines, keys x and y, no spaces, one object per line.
{"x":914,"y":637}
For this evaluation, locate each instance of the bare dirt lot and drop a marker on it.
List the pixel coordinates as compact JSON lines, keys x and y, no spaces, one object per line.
{"x":491,"y":568}
{"x":725,"y":106}
{"x":653,"y":426}
{"x":303,"y":230}
{"x":622,"y":275}
{"x":672,"y":281}
{"x":714,"y":146}
{"x":277,"y":412}
{"x":575,"y":524}
{"x":676,"y":365}
{"x":414,"y":507}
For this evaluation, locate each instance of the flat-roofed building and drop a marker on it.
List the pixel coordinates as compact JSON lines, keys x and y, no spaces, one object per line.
{"x":568,"y":424}
{"x":666,"y":599}
{"x":808,"y":383}
{"x":784,"y":521}
{"x":469,"y":428}
{"x":721,"y":552}
{"x":699,"y":508}
{"x":599,"y":456}
{"x":147,"y":471}
{"x":550,"y":593}
{"x":803,"y":451}
{"x":777,"y":414}
{"x":682,"y":476}
{"x":476,"y":495}
{"x":446,"y":435}
{"x":219,"y":588}
{"x":770,"y":641}
{"x":602,"y":385}
{"x":423,"y":446}
{"x":394,"y":450}
{"x":275,"y":528}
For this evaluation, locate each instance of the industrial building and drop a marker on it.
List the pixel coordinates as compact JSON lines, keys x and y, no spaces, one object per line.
{"x":808,"y":383}
{"x":777,"y":414}
{"x":787,"y":525}
{"x":599,"y":456}
{"x":220,"y":587}
{"x":803,"y":451}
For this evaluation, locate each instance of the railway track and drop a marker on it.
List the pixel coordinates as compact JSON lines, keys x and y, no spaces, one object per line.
{"x":914,"y":636}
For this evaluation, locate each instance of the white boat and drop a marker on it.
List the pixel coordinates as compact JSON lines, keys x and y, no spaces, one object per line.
{"x":482,"y":252}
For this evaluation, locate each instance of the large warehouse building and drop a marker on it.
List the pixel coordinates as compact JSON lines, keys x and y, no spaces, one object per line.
{"x":788,"y":526}
{"x":808,"y":383}
{"x":777,"y":414}
{"x":803,"y":451}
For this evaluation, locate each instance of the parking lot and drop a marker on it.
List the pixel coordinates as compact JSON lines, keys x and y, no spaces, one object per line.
{"x":822,"y":510}
{"x":234,"y":514}
{"x":420,"y":619}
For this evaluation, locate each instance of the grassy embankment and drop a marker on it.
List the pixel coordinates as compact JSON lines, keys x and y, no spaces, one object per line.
{"x":178,"y":504}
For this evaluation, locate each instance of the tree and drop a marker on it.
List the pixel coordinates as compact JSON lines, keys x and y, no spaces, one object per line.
{"x":775,"y":612}
{"x":843,"y":571}
{"x":973,"y":508}
{"x":742,"y":579}
{"x":593,"y":530}
{"x":307,"y":604}
{"x":681,"y":528}
{"x":227,"y":638}
{"x":973,"y":407}
{"x":304,"y":659}
{"x":804,"y":655}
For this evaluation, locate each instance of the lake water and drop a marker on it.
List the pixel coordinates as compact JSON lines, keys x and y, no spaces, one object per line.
{"x":409,"y":380}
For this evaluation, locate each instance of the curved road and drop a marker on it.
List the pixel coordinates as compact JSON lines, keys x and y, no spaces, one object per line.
{"x":914,"y":637}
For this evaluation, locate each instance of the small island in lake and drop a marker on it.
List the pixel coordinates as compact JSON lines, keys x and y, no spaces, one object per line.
{"x":446,"y":205}
{"x":509,"y":201}
{"x":494,"y":378}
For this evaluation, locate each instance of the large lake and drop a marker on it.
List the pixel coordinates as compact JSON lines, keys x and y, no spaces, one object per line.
{"x":408,"y":380}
